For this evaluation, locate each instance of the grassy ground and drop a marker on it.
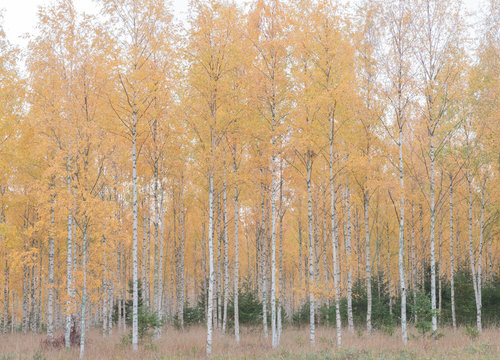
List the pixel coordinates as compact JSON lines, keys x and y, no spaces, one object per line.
{"x":190,"y":344}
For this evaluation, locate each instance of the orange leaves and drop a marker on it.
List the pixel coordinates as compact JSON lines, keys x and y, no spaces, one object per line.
{"x":248,"y":96}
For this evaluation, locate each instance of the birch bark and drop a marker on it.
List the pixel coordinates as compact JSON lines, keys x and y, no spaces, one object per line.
{"x":69,"y":258}
{"x":236,"y":257}
{"x":452,"y":259}
{"x":402,"y":282}
{"x":211,"y":279}
{"x":350,"y":319}
{"x":135,"y":296}
{"x":311,"y":251}
{"x":84,"y":291}
{"x":50,"y":285}
{"x":226,"y":259}
{"x":333,"y":215}
{"x":273,"y":254}
{"x":368,"y":264}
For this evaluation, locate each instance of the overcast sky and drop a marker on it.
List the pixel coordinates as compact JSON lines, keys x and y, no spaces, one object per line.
{"x":20,"y":16}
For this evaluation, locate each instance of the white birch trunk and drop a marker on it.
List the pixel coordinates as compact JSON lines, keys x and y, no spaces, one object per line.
{"x":389,"y":277}
{"x":263,"y":266}
{"x":404,"y":333}
{"x":472,"y":262}
{"x":432,"y":236}
{"x":50,"y":301}
{"x":311,"y":252}
{"x":181,"y":285}
{"x":161,"y":281}
{"x":84,"y":291}
{"x":147,"y":285}
{"x":413,"y":262}
{"x":69,"y":258}
{"x":105,"y":283}
{"x":135,"y":297}
{"x":452,"y":259}
{"x":6,"y":294}
{"x":226,"y":259}
{"x":110,"y":312}
{"x":301,"y":271}
{"x":143,"y":265}
{"x":280,"y":280}
{"x":350,"y":319}
{"x":273,"y":254}
{"x":479,"y":304}
{"x":156,"y":265}
{"x":210,"y":261}
{"x":333,"y":214}
{"x":104,"y":308}
{"x":220,"y":238}
{"x":368,"y":265}
{"x":236,"y":259}
{"x":440,"y":268}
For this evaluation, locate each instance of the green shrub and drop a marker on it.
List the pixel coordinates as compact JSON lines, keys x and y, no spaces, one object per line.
{"x":249,"y":306}
{"x":147,"y":319}
{"x":423,"y":309}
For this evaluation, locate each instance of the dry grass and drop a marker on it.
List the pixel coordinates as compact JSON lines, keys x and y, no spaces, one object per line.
{"x":190,"y":344}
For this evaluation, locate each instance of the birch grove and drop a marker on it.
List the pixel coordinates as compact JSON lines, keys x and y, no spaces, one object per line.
{"x":250,"y":169}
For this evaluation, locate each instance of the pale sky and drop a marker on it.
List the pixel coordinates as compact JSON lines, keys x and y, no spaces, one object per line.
{"x":20,"y":16}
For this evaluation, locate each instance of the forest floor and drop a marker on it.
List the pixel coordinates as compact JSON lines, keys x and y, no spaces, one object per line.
{"x":190,"y":344}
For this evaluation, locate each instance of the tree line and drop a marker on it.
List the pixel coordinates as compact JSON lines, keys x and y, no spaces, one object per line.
{"x":294,"y":153}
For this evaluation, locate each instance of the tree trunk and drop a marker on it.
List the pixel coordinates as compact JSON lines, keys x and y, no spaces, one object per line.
{"x":316,"y":254}
{"x":147,"y":285}
{"x":24,"y":309}
{"x":389,"y":277}
{"x":226,"y":259}
{"x":368,"y":265}
{"x":204,"y":262}
{"x":452,"y":259}
{"x":6,"y":293}
{"x":135,"y":299}
{"x":273,"y":254}
{"x":401,"y":240}
{"x":210,"y":260}
{"x":311,"y":251}
{"x":143,"y":267}
{"x":161,"y":277}
{"x":50,"y":301}
{"x":440,"y":245}
{"x":220,"y":238}
{"x":104,"y":306}
{"x":413,"y":262}
{"x":34,"y":310}
{"x":301,"y":271}
{"x":432,"y":236}
{"x":350,"y":319}
{"x":333,"y":215}
{"x":236,"y":258}
{"x":263,"y":266}
{"x":325,"y":241}
{"x":479,"y":304}
{"x":280,"y":279}
{"x":84,"y":290}
{"x":69,"y":258}
{"x":180,"y":270}
{"x":156,"y":266}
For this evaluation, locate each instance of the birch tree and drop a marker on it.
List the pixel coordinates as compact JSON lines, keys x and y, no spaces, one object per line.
{"x":212,"y":57}
{"x":398,"y":92}
{"x":438,"y":40}
{"x":131,"y":102}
